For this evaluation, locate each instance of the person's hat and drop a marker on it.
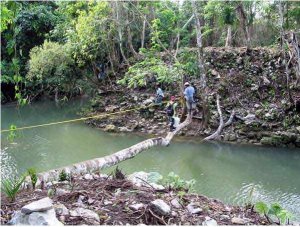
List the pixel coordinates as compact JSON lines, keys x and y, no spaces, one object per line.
{"x":172,"y":98}
{"x":186,"y":84}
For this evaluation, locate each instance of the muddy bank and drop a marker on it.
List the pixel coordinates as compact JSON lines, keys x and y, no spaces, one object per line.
{"x":251,"y":81}
{"x":95,"y":199}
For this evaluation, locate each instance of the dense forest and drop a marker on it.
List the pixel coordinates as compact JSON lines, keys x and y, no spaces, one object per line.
{"x":63,"y":49}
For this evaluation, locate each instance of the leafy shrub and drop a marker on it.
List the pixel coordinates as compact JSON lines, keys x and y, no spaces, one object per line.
{"x":33,"y":176}
{"x":274,"y":211}
{"x":175,"y":182}
{"x":11,"y":186}
{"x":151,"y":68}
{"x":52,"y":66}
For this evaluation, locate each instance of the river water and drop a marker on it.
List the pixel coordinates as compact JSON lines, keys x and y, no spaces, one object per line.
{"x":224,"y":171}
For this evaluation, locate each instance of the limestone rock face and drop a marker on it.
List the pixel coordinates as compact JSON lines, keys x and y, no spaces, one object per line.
{"x":37,"y":206}
{"x":160,"y":207}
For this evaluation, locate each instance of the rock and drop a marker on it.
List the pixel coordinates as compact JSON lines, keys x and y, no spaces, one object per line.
{"x":232,"y":137}
{"x":250,"y":118}
{"x":61,"y":191}
{"x":37,"y":206}
{"x":239,"y":221}
{"x":266,"y":81}
{"x":144,"y":179}
{"x":215,"y":73}
{"x":124,"y":129}
{"x":298,"y":129}
{"x":273,"y":140}
{"x":111,"y":108}
{"x":88,"y":177}
{"x":148,"y":101}
{"x":175,"y":203}
{"x":224,"y":217}
{"x":194,"y":210}
{"x":91,"y":216}
{"x":110,"y":128}
{"x":61,"y":209}
{"x":256,"y":105}
{"x":160,"y":207}
{"x":136,"y":206}
{"x":209,"y":222}
{"x":35,"y":218}
{"x":107,"y":202}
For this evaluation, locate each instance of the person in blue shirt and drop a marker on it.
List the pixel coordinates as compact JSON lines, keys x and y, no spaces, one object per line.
{"x":159,"y":95}
{"x":189,"y":93}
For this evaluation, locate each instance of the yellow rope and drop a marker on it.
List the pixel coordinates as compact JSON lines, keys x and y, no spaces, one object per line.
{"x":74,"y":120}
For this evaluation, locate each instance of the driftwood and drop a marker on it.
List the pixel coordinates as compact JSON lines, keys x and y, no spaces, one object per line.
{"x":216,"y":134}
{"x":113,"y":159}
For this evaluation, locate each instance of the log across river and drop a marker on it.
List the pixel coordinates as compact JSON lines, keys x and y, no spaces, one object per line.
{"x":224,"y":171}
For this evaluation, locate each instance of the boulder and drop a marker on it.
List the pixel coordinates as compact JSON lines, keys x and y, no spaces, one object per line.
{"x":193,"y":209}
{"x":61,"y":191}
{"x":272,"y":141}
{"x":110,"y":128}
{"x":136,"y":206}
{"x":239,"y":221}
{"x":175,"y":203}
{"x":124,"y":129}
{"x":88,"y":177}
{"x":209,"y":222}
{"x":160,"y":207}
{"x":37,"y":206}
{"x":35,"y":218}
{"x":61,"y":209}
{"x":91,"y":216}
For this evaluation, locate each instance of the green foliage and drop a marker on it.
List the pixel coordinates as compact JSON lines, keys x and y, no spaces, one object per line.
{"x":175,"y":182}
{"x":12,"y":133}
{"x":10,"y":187}
{"x":52,"y":66}
{"x":33,"y":176}
{"x":6,"y":16}
{"x":63,"y":176}
{"x":141,"y":73}
{"x":273,"y":211}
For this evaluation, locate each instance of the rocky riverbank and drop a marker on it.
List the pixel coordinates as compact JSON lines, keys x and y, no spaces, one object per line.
{"x":96,"y":199}
{"x":250,"y":81}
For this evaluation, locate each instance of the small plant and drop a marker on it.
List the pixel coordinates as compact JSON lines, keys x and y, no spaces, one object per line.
{"x":33,"y":176}
{"x":12,"y":133}
{"x":175,"y":182}
{"x":118,"y":174}
{"x":274,"y":211}
{"x":11,"y":186}
{"x":63,"y":176}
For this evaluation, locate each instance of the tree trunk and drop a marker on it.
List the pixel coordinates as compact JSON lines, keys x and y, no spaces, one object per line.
{"x":205,"y":113}
{"x":229,"y":36}
{"x":221,"y":124}
{"x":143,"y":34}
{"x":135,"y":54}
{"x":243,"y":22}
{"x":110,"y":160}
{"x":120,"y":36}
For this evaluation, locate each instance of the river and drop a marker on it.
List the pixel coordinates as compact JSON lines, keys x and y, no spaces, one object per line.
{"x":224,"y":171}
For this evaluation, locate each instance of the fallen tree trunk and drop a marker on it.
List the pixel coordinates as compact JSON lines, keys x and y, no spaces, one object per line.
{"x":217,"y":133}
{"x":110,"y":160}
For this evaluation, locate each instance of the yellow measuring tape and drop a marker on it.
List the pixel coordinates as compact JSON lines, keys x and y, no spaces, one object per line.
{"x":77,"y":119}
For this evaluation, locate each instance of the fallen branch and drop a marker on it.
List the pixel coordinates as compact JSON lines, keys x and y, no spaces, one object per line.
{"x":217,"y":133}
{"x":110,"y":160}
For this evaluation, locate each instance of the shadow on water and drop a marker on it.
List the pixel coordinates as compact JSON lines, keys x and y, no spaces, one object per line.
{"x":224,"y":171}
